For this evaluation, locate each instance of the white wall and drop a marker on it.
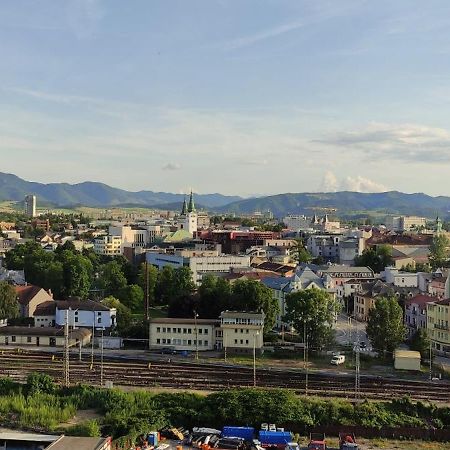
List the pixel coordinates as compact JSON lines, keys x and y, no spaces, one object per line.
{"x":86,"y":318}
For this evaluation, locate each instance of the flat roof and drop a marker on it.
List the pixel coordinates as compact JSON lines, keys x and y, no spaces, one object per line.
{"x":78,"y":443}
{"x":42,"y":331}
{"x":28,"y":437}
{"x":407,"y":354}
{"x":177,"y":320}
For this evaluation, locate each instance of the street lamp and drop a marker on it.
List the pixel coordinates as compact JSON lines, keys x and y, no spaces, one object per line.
{"x":196,"y":335}
{"x":254,"y":357}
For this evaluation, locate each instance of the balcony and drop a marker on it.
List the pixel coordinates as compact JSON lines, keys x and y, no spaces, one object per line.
{"x":441,"y":327}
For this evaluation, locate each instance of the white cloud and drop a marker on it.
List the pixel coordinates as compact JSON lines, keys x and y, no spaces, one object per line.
{"x":329,"y":182}
{"x":361,"y":184}
{"x":358,"y":183}
{"x":410,"y":142}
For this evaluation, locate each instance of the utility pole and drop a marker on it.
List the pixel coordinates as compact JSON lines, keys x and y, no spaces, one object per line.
{"x":254,"y":357}
{"x":92,"y":340}
{"x":431,"y":362}
{"x":357,"y":363}
{"x":196,"y":335}
{"x":101,"y":362}
{"x":147,"y":290}
{"x":66,"y":350}
{"x":305,"y":356}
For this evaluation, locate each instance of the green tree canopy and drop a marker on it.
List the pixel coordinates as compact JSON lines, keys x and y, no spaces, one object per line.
{"x":313,"y":310}
{"x":111,"y":278}
{"x":147,"y":280}
{"x":9,"y":307}
{"x":132,"y":296}
{"x":214,"y":296}
{"x":123,"y":318}
{"x":420,"y":342}
{"x":377,"y":259}
{"x":251,"y":295}
{"x":439,"y":251}
{"x":385,"y":327}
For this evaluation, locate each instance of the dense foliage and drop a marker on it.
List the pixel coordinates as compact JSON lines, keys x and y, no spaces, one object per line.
{"x":133,"y":413}
{"x":312,"y":313}
{"x":376,"y":258}
{"x":9,"y":307}
{"x":385,"y":327}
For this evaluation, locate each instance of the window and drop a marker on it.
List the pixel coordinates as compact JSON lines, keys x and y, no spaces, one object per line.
{"x":184,"y":330}
{"x":206,"y":330}
{"x":246,"y":341}
{"x":189,"y":342}
{"x":189,"y":330}
{"x":206,"y":343}
{"x":179,"y":330}
{"x":158,"y":329}
{"x":13,"y":339}
{"x":247,"y":331}
{"x":28,"y":338}
{"x":168,"y":341}
{"x":164,"y":329}
{"x":99,"y":313}
{"x":235,"y":341}
{"x":200,"y":331}
{"x":184,"y":342}
{"x":158,"y":341}
{"x":235,"y":330}
{"x":242,"y":330}
{"x":99,"y":320}
{"x":168,"y":330}
{"x":163,"y":341}
{"x":242,"y":341}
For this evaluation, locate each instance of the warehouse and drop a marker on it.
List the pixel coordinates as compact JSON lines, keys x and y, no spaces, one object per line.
{"x":44,"y":337}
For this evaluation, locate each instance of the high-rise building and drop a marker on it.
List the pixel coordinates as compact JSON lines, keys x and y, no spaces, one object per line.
{"x":30,"y":205}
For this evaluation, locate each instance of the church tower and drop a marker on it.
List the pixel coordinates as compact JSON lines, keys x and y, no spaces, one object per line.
{"x":191,"y":216}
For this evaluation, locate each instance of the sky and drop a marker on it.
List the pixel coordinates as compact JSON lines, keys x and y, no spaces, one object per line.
{"x":246,"y":97}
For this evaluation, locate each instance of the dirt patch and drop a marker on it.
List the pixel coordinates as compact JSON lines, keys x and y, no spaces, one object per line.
{"x":81,"y":416}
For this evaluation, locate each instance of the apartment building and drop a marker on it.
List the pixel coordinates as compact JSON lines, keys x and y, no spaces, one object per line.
{"x":416,"y":313}
{"x":438,"y":320}
{"x":108,"y":245}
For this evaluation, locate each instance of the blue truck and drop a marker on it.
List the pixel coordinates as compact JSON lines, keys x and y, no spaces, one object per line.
{"x":246,"y":433}
{"x":275,"y":438}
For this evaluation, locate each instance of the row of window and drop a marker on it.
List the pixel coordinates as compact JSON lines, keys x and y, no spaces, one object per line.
{"x":181,"y":330}
{"x":241,"y":341}
{"x":201,"y":342}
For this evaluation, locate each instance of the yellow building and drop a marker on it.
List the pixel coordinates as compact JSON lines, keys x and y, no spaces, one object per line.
{"x":438,"y":319}
{"x":242,"y":331}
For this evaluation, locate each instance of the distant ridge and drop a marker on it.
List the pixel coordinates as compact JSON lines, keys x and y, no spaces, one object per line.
{"x":96,"y":194}
{"x":345,"y":203}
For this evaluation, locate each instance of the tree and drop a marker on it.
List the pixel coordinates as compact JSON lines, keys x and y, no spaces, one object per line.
{"x":123,"y":318}
{"x":9,"y":307}
{"x":214,"y":296}
{"x":183,"y":282}
{"x":111,"y":278}
{"x":312,"y":310}
{"x":132,"y":296}
{"x":438,"y":251}
{"x":420,"y":342}
{"x":77,"y":274}
{"x":15,"y":258}
{"x":377,"y":259}
{"x":165,"y":285}
{"x":385,"y":327}
{"x":150,"y":277}
{"x":300,"y":254}
{"x":251,"y":295}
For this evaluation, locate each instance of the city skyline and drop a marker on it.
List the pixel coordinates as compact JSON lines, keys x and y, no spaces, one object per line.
{"x":251,"y":98}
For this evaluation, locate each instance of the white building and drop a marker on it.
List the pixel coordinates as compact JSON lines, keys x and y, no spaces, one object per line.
{"x":297,"y":222}
{"x":400,"y":279}
{"x":85,"y":313}
{"x":188,"y":218}
{"x":199,"y":264}
{"x":405,"y":223}
{"x":30,"y":205}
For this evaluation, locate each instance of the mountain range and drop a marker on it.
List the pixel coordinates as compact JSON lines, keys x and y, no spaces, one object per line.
{"x":96,"y":194}
{"x":341,"y":203}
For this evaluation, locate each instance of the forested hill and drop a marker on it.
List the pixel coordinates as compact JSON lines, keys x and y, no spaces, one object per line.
{"x":344,"y":203}
{"x":96,"y":194}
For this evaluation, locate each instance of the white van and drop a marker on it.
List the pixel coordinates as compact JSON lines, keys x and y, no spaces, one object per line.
{"x":338,"y":359}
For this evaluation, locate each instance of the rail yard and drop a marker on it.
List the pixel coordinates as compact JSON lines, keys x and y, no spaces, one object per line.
{"x":189,"y":375}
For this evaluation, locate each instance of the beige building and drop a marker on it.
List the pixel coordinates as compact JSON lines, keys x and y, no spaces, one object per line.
{"x":438,"y":321}
{"x":108,"y":245}
{"x":183,"y":334}
{"x":242,"y":331}
{"x":29,"y":297}
{"x":407,"y":360}
{"x":235,"y":332}
{"x":44,"y":337}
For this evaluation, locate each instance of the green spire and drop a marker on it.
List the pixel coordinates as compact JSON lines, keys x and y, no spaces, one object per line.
{"x":183,"y":210}
{"x":191,"y":206}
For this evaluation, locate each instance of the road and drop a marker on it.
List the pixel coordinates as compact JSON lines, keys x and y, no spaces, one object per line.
{"x":349,"y":331}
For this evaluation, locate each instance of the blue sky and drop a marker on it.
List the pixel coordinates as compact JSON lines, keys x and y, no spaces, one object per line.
{"x":239,"y":97}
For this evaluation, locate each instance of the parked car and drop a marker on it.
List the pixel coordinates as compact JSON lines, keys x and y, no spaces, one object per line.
{"x":168,"y":351}
{"x":347,"y":441}
{"x":317,"y":441}
{"x":337,"y":360}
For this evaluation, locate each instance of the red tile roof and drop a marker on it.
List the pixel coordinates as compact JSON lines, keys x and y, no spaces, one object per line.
{"x":421,"y":299}
{"x":26,"y":293}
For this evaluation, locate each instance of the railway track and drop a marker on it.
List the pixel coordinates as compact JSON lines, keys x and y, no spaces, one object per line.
{"x":189,"y":375}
